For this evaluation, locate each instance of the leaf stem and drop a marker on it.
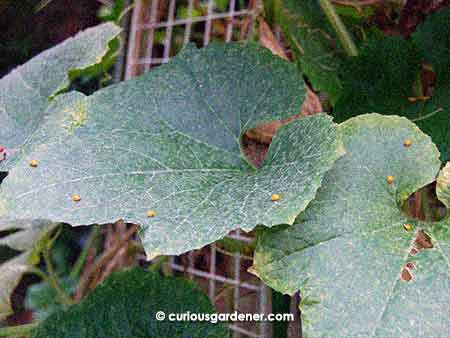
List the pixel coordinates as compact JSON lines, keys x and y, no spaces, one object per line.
{"x":106,"y":256}
{"x":342,"y":32}
{"x":427,"y":212}
{"x":91,"y":241}
{"x":52,"y":276}
{"x":20,"y":330}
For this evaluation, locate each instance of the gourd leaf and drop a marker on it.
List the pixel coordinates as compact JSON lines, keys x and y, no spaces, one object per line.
{"x":25,"y":92}
{"x":385,"y":78}
{"x":125,"y":305}
{"x":43,"y":300}
{"x":363,"y":268}
{"x":163,"y":150}
{"x":20,"y":244}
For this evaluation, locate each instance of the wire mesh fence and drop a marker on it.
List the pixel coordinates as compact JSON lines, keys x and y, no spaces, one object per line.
{"x":158,"y":30}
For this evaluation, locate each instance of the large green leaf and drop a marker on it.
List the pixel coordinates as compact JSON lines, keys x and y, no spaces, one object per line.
{"x":125,"y":305}
{"x":169,"y":141}
{"x":23,"y":241}
{"x":346,"y":253}
{"x":25,"y":92}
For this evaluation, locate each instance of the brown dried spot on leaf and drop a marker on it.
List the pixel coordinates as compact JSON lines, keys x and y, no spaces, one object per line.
{"x":417,"y":205}
{"x":267,"y":39}
{"x":406,"y":275}
{"x":410,"y":266}
{"x":255,"y":151}
{"x":421,"y":242}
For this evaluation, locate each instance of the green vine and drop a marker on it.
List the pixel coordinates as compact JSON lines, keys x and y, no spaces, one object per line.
{"x":344,"y":36}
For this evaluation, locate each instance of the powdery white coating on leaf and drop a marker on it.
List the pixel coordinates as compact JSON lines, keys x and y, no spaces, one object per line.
{"x":443,"y":185}
{"x":169,"y":141}
{"x":25,"y":92}
{"x":346,"y":251}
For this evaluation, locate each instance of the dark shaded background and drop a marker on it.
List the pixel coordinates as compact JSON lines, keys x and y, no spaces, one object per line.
{"x":26,"y":29}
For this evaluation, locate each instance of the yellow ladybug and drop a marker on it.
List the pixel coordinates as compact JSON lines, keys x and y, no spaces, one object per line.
{"x":407,"y":143}
{"x":407,"y":227}
{"x":34,"y":163}
{"x":151,"y":213}
{"x":275,"y":197}
{"x":76,"y":198}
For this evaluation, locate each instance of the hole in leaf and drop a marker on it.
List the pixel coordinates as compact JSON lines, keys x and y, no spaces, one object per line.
{"x":424,"y":205}
{"x":7,"y":232}
{"x":254,"y":151}
{"x":3,"y":175}
{"x":256,"y":141}
{"x":406,"y":275}
{"x":422,"y":241}
{"x":410,"y":265}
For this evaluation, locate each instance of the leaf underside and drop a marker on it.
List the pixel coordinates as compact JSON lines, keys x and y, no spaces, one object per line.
{"x":349,"y":253}
{"x":169,"y":142}
{"x":125,"y":305}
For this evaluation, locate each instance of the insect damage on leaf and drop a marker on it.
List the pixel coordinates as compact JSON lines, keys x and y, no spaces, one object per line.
{"x":406,"y":274}
{"x":171,"y":141}
{"x":356,"y":216}
{"x":422,"y":241}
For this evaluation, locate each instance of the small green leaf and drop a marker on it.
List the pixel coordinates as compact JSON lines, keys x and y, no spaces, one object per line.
{"x":433,"y":38}
{"x":164,"y":151}
{"x":433,"y":117}
{"x":350,"y":254}
{"x":27,"y":237}
{"x":313,"y":41}
{"x":125,"y":305}
{"x":43,"y":299}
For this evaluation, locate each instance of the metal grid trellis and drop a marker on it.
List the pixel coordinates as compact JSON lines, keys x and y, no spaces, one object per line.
{"x":158,"y":30}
